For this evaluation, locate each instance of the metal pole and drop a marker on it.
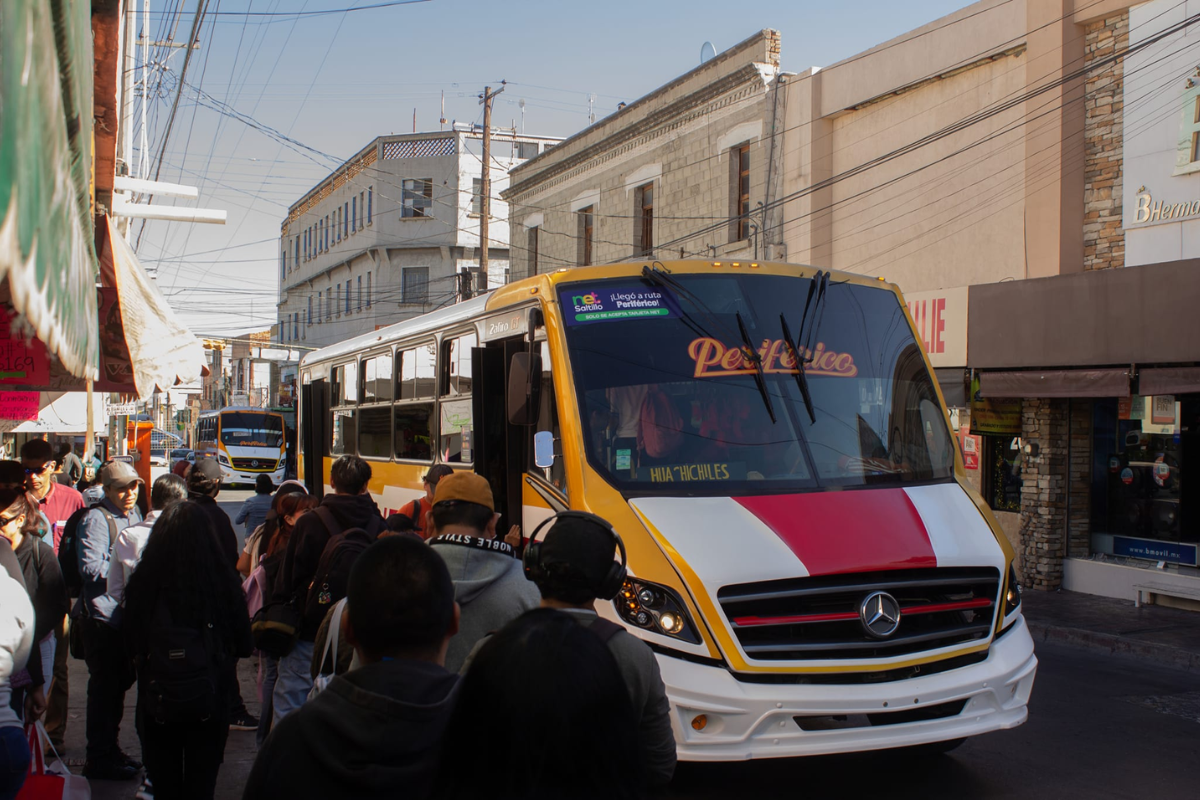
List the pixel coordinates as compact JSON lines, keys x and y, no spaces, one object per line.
{"x":485,"y":185}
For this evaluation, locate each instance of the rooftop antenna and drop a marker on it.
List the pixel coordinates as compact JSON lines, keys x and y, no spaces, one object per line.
{"x":707,"y":51}
{"x":591,"y":103}
{"x":442,"y":119}
{"x":521,"y":103}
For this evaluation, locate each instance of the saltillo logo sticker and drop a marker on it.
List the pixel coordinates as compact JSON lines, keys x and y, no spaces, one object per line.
{"x":617,"y":303}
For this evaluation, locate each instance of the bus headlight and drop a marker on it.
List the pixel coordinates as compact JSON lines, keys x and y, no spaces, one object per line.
{"x":1012,"y":594}
{"x":221,"y":459}
{"x":655,"y":608}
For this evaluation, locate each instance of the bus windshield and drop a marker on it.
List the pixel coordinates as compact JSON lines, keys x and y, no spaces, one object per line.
{"x":671,"y":404}
{"x":251,"y":429}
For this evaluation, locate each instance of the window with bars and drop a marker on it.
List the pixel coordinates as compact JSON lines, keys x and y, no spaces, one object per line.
{"x":739,"y":192}
{"x":347,"y":306}
{"x":308,"y":316}
{"x":643,"y":217}
{"x":532,"y":245}
{"x":370,"y":204}
{"x":346,"y":220}
{"x":354,"y":215}
{"x":359,"y":307}
{"x":320,"y":306}
{"x":416,"y":198}
{"x":338,"y":304}
{"x":414,"y":284}
{"x":477,"y":196}
{"x":296,"y":258}
{"x":368,"y":290}
{"x":586,"y":219}
{"x":295,"y":325}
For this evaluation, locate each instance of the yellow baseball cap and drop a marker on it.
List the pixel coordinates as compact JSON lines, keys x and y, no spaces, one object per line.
{"x":466,"y":487}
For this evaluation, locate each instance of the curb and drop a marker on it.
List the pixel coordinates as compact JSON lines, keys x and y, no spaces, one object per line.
{"x":1112,"y":644}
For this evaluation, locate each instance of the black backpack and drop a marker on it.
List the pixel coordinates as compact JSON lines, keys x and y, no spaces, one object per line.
{"x":180,"y":669}
{"x":68,"y":547}
{"x":333,"y":570}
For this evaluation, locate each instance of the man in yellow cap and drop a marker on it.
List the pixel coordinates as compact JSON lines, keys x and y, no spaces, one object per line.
{"x":489,"y":583}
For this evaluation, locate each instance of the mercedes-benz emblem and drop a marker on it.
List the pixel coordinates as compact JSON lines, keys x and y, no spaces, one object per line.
{"x":254,"y":463}
{"x":880,"y":614}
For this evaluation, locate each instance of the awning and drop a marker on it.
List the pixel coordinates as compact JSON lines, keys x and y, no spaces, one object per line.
{"x":143,"y":343}
{"x":46,"y":246}
{"x":67,"y":414}
{"x":1169,"y":380}
{"x":952,"y":381}
{"x":1056,"y":383}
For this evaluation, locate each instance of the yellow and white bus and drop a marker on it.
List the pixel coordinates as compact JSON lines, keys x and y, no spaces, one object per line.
{"x":246,"y":442}
{"x":806,"y":557}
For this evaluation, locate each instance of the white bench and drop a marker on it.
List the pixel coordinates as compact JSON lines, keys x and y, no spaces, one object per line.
{"x":1164,"y":588}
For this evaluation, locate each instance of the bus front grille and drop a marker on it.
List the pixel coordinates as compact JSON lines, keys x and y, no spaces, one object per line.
{"x":255,"y":464}
{"x":824,"y":618}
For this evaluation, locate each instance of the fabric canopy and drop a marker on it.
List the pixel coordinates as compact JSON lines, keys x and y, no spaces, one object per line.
{"x":1056,"y":383}
{"x":67,"y":414}
{"x":1169,"y":380}
{"x":144,"y":345}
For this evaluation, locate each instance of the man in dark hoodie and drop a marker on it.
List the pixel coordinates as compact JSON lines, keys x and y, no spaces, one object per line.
{"x":350,"y":506}
{"x":375,"y":731}
{"x":489,"y":583}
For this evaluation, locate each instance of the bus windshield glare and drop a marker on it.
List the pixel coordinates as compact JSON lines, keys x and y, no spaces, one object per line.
{"x":250,"y":429}
{"x":673,"y":404}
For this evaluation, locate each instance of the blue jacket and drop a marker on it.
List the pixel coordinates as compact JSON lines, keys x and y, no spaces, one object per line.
{"x":254,"y":512}
{"x":95,"y":549}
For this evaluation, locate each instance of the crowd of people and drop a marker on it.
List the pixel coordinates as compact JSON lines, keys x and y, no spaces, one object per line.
{"x":383,"y":645}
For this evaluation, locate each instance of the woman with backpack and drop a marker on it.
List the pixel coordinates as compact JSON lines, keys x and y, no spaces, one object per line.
{"x":22,"y":525}
{"x":185,"y":623}
{"x":274,"y":535}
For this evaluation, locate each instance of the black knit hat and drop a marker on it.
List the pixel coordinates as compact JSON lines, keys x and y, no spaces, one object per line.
{"x":577,"y":553}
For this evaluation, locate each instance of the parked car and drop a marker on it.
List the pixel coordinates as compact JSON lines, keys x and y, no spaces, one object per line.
{"x":182,"y":454}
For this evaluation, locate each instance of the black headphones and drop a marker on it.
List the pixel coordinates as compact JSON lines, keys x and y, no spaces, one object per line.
{"x":536,"y":571}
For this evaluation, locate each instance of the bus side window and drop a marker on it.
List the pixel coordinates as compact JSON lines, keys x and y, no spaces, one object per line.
{"x":456,"y":415}
{"x":414,"y":420}
{"x":548,"y":421}
{"x":342,"y":434}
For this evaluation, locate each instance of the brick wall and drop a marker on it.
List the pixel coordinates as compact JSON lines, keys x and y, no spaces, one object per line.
{"x":1044,"y":492}
{"x":1103,"y":236}
{"x":1079,"y":516}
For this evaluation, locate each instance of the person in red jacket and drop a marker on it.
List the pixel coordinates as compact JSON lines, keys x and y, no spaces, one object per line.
{"x":415,"y":509}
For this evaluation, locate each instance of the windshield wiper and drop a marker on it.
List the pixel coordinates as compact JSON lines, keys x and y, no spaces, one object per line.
{"x":801,"y":378}
{"x":756,"y":359}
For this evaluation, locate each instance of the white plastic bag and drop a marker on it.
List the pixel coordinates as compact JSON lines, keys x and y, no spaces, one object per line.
{"x":331,"y":645}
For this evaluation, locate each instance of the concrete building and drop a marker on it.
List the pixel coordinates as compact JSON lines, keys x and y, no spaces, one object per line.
{"x":387,"y":234}
{"x":1006,"y":166}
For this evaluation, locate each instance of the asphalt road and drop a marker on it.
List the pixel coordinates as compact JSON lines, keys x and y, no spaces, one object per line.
{"x":1099,"y":727}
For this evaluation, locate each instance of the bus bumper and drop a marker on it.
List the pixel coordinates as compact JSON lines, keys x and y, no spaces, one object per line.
{"x":758,"y":720}
{"x":229,"y":475}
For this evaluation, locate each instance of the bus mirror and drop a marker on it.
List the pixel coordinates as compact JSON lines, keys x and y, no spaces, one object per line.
{"x":543,"y":449}
{"x":524,"y":388}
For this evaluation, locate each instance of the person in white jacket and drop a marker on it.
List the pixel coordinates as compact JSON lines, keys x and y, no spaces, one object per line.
{"x":16,"y":640}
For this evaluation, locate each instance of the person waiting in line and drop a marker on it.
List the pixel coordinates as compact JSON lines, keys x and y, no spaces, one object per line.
{"x":259,"y":539}
{"x":20,"y":524}
{"x":204,"y":486}
{"x":185,"y":616}
{"x":127,"y":549}
{"x":375,"y":731}
{"x":566,"y":717}
{"x":98,"y":615}
{"x":276,"y":532}
{"x":415,"y":509}
{"x":350,"y":506}
{"x":572,"y":568}
{"x":488,"y":583}
{"x":90,"y":488}
{"x":254,"y":510}
{"x":71,"y":468}
{"x":16,"y":642}
{"x":56,"y":501}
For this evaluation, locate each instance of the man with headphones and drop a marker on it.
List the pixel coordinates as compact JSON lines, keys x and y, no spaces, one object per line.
{"x":573,"y":566}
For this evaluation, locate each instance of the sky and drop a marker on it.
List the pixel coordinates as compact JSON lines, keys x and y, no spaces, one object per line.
{"x":327,"y":84}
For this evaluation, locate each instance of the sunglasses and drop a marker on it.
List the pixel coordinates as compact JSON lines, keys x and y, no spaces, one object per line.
{"x":39,"y":470}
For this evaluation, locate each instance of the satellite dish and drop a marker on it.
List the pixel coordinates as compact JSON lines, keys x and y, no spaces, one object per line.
{"x":707,"y":51}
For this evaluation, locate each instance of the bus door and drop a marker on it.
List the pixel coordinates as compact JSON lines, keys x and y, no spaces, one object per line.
{"x":500,"y":447}
{"x":314,"y":398}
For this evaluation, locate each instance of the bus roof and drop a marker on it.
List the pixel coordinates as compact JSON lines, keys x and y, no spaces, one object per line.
{"x":241,"y":408}
{"x":521,"y":291}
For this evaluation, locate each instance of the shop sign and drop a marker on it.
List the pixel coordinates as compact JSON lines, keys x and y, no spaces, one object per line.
{"x":19,"y":405}
{"x":994,"y":415}
{"x":940,"y":317}
{"x":1163,"y":409}
{"x":971,"y":446}
{"x":1155,"y":550}
{"x":22,"y":362}
{"x":1132,"y":407}
{"x":1150,"y":210}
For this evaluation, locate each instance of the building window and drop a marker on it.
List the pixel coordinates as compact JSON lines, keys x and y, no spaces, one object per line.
{"x":370,"y":204}
{"x":295,"y":326}
{"x":359,"y":308}
{"x":527,"y":149}
{"x":306,"y":244}
{"x":643,"y":217}
{"x":308,"y":316}
{"x":283,"y":263}
{"x":586,"y":221}
{"x":477,"y":196}
{"x":416,"y":197}
{"x":354,"y":215}
{"x":337,"y":225}
{"x":739,"y":192}
{"x":532,"y":246}
{"x":368,"y":290}
{"x":346,"y":220}
{"x":338,"y":303}
{"x":414,"y":284}
{"x":320,"y":300}
{"x":296,"y":258}
{"x":1002,"y":471}
{"x":347,"y":306}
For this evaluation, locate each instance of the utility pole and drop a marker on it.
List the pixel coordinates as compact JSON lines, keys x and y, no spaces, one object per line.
{"x":485,"y":183}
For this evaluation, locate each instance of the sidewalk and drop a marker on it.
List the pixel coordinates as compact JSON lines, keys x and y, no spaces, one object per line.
{"x":1167,"y":636}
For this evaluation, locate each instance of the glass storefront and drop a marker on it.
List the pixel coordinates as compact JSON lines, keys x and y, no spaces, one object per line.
{"x":1142,"y":505}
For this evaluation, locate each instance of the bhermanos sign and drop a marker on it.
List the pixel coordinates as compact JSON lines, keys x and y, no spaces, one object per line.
{"x":1150,"y":210}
